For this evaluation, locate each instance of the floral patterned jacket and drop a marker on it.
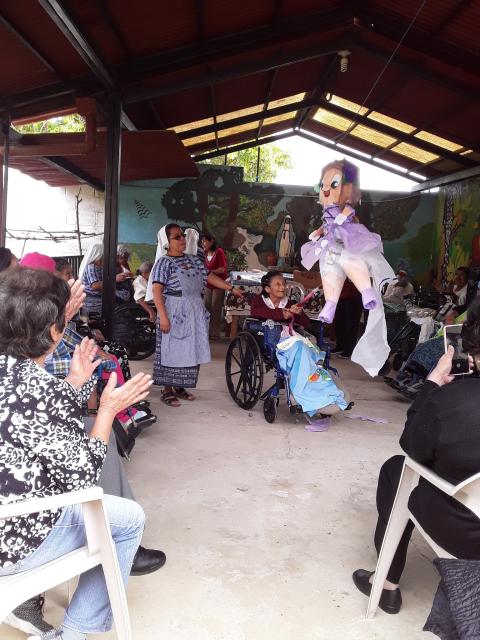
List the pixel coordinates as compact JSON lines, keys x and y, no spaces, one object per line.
{"x":44,"y":450}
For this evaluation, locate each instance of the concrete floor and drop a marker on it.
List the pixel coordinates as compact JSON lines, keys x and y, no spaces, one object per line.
{"x":264,"y":524}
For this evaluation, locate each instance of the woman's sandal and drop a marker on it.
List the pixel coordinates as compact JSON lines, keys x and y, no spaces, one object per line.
{"x":170,"y":399}
{"x":182,"y":393}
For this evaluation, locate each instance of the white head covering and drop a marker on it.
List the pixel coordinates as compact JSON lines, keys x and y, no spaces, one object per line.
{"x":94,"y":252}
{"x":162,"y":248}
{"x":192,"y":237}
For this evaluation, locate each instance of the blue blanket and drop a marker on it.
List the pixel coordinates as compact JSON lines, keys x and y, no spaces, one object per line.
{"x":311,"y":384}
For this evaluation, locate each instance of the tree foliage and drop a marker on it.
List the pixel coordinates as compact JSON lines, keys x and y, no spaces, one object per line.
{"x":272,"y":159}
{"x":73,"y":123}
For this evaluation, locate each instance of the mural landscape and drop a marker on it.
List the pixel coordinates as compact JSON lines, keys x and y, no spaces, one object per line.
{"x":247,"y":220}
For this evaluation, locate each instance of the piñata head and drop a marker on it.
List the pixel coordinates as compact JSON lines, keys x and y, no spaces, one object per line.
{"x":339,"y":184}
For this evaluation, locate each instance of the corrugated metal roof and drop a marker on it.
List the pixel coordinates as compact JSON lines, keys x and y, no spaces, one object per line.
{"x":190,"y":63}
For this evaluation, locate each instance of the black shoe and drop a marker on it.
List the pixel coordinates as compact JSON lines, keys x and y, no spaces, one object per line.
{"x":336,"y":350}
{"x":390,"y":601}
{"x":344,"y":355}
{"x":147,"y":561}
{"x":28,"y":617}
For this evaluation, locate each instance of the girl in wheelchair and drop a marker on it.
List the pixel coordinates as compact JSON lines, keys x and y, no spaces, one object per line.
{"x":312,"y":385}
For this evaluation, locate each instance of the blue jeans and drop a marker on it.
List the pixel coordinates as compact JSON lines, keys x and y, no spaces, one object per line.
{"x":89,"y":611}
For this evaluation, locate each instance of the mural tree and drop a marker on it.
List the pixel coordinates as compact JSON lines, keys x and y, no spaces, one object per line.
{"x":451,"y":225}
{"x":389,"y":217}
{"x":187,"y":200}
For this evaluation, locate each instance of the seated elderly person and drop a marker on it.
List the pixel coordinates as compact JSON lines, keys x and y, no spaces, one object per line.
{"x":91,"y":275}
{"x":39,"y":461}
{"x":140,"y":289}
{"x":311,"y":385}
{"x":441,"y":433}
{"x":28,"y":616}
{"x":399,"y":288}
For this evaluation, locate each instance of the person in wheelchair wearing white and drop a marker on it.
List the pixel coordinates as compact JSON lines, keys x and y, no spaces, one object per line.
{"x":45,"y":450}
{"x":442,"y":432}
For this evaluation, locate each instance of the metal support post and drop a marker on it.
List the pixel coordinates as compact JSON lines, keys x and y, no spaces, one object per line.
{"x":4,"y":181}
{"x":112,"y":183}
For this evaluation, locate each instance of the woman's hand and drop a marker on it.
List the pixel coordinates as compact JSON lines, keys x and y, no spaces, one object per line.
{"x":164,"y":324}
{"x":77,"y":296}
{"x":121,"y":277}
{"x":287,"y":314}
{"x":115,"y":399}
{"x":237,"y":293}
{"x":296,"y":309}
{"x":152,"y":316}
{"x":441,"y":374}
{"x":83,"y":363}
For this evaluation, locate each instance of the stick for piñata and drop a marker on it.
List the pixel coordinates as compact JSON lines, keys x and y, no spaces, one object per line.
{"x":302,"y":302}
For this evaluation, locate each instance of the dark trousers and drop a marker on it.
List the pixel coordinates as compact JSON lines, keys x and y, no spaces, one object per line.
{"x":453,"y":527}
{"x":347,"y":320}
{"x":386,"y":491}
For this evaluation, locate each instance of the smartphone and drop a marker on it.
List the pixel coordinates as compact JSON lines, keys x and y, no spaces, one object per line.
{"x":453,"y":337}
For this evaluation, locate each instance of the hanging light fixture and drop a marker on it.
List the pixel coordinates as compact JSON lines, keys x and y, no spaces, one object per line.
{"x":344,"y":53}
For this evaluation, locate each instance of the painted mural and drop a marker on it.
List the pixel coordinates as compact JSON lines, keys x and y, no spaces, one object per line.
{"x":457,"y":230}
{"x":406,"y":223}
{"x":261,"y":225}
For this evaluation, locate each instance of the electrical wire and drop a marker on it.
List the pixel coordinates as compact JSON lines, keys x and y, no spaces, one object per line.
{"x":385,"y":67}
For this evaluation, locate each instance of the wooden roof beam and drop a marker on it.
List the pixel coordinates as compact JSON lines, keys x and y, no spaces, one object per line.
{"x":241,"y":146}
{"x":419,"y":40}
{"x":395,"y":133}
{"x":351,"y":152}
{"x":85,"y":50}
{"x":222,"y":47}
{"x":251,"y":117}
{"x":261,"y":65}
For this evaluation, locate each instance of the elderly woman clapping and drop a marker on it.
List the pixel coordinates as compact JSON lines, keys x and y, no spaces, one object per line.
{"x":44,"y":448}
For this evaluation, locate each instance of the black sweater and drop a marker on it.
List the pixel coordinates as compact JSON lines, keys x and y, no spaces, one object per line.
{"x":442,"y":432}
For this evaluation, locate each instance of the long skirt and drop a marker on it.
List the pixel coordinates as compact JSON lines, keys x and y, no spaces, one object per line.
{"x":179,"y":353}
{"x":186,"y":377}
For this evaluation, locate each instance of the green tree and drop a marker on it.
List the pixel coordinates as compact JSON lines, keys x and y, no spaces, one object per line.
{"x":272,"y":159}
{"x":72,"y":123}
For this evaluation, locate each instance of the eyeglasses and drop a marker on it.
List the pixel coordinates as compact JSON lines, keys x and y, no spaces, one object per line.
{"x":179,"y":237}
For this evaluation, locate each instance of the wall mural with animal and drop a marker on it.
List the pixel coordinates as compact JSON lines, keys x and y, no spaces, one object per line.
{"x":262,"y":225}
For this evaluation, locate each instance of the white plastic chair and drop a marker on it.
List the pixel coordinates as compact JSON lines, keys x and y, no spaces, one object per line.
{"x":100,"y":549}
{"x":466,"y":492}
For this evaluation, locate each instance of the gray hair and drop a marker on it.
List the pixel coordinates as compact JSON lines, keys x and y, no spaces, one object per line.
{"x":122,"y":250}
{"x":145,"y":267}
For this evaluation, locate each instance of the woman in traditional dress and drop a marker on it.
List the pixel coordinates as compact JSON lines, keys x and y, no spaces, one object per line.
{"x":176,"y":285}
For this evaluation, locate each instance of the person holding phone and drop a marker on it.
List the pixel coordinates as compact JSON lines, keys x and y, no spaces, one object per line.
{"x":442,"y":432}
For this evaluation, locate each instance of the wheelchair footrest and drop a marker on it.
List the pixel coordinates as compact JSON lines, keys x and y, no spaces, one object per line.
{"x":295,"y":408}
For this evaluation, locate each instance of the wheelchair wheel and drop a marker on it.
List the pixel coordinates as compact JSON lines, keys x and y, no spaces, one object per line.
{"x":244,"y":370}
{"x":132,"y":329}
{"x":270,"y":406}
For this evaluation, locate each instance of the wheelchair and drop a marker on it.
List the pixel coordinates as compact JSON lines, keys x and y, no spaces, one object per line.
{"x":250,"y":355}
{"x":131,"y":328}
{"x":402,"y":336}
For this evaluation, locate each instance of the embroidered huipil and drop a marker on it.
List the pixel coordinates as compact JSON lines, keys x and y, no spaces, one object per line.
{"x":44,"y":451}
